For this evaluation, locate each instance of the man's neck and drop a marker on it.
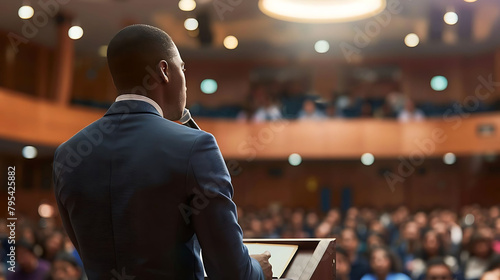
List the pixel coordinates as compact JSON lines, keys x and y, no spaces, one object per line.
{"x":132,"y":96}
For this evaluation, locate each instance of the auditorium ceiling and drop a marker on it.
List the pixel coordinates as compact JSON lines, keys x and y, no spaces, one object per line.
{"x":261,"y":36}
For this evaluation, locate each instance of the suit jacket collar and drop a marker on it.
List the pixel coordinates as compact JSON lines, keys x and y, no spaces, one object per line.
{"x":131,"y":107}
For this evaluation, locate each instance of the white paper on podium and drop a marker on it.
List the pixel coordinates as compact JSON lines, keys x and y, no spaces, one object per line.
{"x":281,"y":255}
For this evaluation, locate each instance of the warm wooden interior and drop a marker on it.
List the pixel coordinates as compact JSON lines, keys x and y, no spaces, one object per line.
{"x":318,"y":184}
{"x":30,"y":120}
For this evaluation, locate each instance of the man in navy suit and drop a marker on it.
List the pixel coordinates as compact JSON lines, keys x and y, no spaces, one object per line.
{"x":139,"y":194}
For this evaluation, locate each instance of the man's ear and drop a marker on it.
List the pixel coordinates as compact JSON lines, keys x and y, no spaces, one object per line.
{"x":163,"y":67}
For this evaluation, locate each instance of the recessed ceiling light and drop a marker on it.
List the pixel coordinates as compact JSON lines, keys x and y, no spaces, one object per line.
{"x":321,"y":10}
{"x":187,"y":5}
{"x":449,"y":158}
{"x":450,"y":18}
{"x":45,"y":210}
{"x":208,"y":86}
{"x":439,"y":83}
{"x":25,"y":12}
{"x":30,"y":152}
{"x":367,"y":159}
{"x":75,"y":32}
{"x":295,"y":159}
{"x":321,"y":46}
{"x":412,"y":40}
{"x":191,"y":24}
{"x":230,"y":42}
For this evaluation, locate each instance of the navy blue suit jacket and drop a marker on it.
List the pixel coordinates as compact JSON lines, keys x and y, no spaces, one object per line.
{"x":138,"y":195}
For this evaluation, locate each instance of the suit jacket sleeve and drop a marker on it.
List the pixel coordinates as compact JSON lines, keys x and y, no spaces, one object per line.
{"x":57,"y":170}
{"x":214,"y":217}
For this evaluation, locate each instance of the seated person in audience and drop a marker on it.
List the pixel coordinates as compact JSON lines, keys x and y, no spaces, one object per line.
{"x":408,"y":243}
{"x":52,"y":245}
{"x":493,"y":270}
{"x":260,"y":106}
{"x":342,"y":264}
{"x":496,"y":228}
{"x":374,"y":240}
{"x":310,"y":112}
{"x":366,"y":110}
{"x":480,"y":254}
{"x":268,"y":111}
{"x":410,"y":113}
{"x":29,"y":266}
{"x":311,"y":223}
{"x":350,"y":242}
{"x":65,"y":267}
{"x":437,"y":269}
{"x":331,"y":111}
{"x":432,"y":248}
{"x":323,"y":230}
{"x":385,"y":111}
{"x":384,"y":266}
{"x":248,"y":111}
{"x":491,"y":275}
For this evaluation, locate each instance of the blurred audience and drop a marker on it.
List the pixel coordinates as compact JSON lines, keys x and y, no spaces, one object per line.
{"x":342,"y":264}
{"x":295,"y":100}
{"x":384,"y":265}
{"x":438,"y":269}
{"x":29,"y":265}
{"x":393,"y":244}
{"x":310,"y":112}
{"x":410,"y":112}
{"x":65,"y":267}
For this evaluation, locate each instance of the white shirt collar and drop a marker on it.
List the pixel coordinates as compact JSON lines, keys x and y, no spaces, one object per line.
{"x":131,"y":96}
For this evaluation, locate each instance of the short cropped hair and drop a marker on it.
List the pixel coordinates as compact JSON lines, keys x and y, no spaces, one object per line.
{"x":134,"y":52}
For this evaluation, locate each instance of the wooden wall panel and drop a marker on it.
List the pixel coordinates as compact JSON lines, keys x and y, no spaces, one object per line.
{"x":257,"y":184}
{"x":39,"y":122}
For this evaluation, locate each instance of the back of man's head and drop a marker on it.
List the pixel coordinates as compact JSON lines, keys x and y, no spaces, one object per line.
{"x":134,"y":53}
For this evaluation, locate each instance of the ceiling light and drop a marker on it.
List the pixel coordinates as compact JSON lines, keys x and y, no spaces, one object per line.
{"x":75,"y":32}
{"x":321,"y":46}
{"x":321,"y":10}
{"x":230,"y":42}
{"x":295,"y":159}
{"x":30,"y":152}
{"x":45,"y":210}
{"x":191,"y":24}
{"x":449,"y":158}
{"x":470,"y":1}
{"x":412,"y":40}
{"x":439,"y":83}
{"x":450,"y":18}
{"x":187,"y":5}
{"x":25,"y":12}
{"x":367,"y":159}
{"x":208,"y":86}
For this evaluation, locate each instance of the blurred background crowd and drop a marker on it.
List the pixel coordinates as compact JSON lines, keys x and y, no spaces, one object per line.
{"x":371,"y":243}
{"x":268,"y":101}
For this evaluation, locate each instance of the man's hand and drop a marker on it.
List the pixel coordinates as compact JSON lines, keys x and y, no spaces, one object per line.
{"x":263,"y":260}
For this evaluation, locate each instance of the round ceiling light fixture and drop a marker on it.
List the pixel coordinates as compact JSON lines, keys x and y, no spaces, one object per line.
{"x":321,"y":10}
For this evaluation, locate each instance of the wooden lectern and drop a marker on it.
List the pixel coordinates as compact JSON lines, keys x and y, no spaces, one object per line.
{"x":314,"y":259}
